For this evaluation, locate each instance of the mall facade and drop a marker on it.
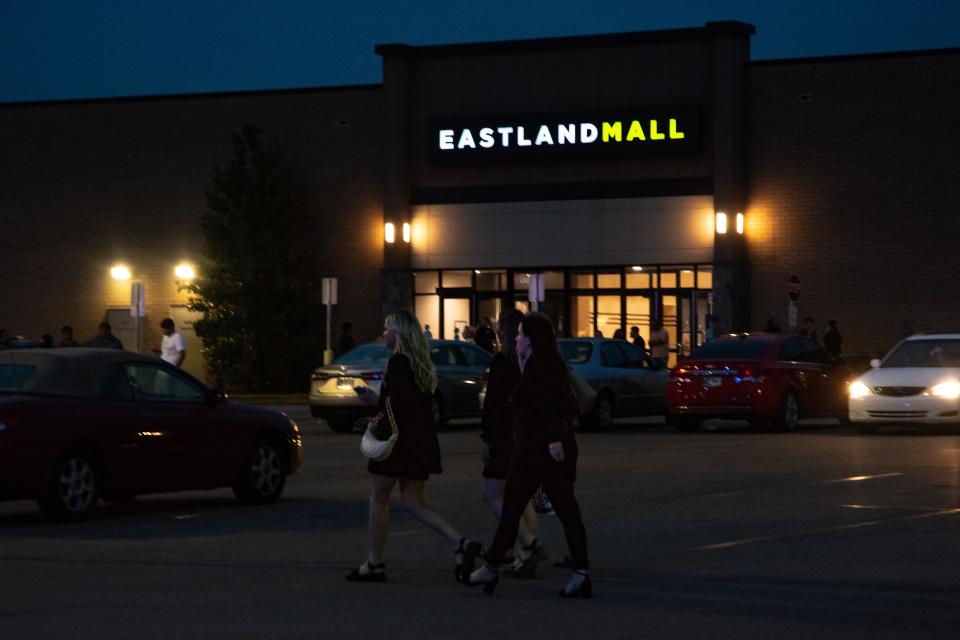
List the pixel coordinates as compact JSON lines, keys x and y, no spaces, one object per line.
{"x":645,"y":176}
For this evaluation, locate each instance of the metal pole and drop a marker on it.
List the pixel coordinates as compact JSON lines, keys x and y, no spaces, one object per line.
{"x":328,"y":353}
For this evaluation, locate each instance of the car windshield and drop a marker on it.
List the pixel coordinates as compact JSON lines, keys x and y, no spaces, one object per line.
{"x":373,"y":354}
{"x":925,"y":353}
{"x":731,"y":349}
{"x":576,"y":352}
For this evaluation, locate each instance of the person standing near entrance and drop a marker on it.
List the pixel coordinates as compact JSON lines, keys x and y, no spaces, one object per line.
{"x":637,"y":339}
{"x":659,"y":344}
{"x":833,"y":341}
{"x":173,"y":348}
{"x":105,"y":339}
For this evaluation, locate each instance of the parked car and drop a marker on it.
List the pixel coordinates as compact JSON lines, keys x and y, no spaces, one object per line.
{"x":349,"y":389}
{"x":619,"y":377}
{"x":769,"y":379}
{"x":917,"y":383}
{"x":77,"y":425}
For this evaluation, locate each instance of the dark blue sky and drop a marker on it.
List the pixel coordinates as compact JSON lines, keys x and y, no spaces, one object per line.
{"x":65,"y":49}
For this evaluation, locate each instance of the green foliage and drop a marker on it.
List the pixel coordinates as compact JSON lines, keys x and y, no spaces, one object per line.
{"x":254,"y":292}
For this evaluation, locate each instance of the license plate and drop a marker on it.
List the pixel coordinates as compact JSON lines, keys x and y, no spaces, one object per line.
{"x":712,"y":381}
{"x":344,"y":383}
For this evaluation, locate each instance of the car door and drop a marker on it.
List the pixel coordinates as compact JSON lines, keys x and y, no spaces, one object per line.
{"x":477,"y":362}
{"x":652,"y":384}
{"x":802,"y":375}
{"x":829,"y":392}
{"x":626,"y":383}
{"x":452,"y":373}
{"x":178,"y":442}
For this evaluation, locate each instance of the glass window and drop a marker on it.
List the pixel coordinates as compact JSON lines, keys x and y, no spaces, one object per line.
{"x":576,"y":352}
{"x":475,"y":357}
{"x":425,"y":281}
{"x":446,"y":355}
{"x":612,"y":356}
{"x":668,"y":279}
{"x":115,"y":385}
{"x":609,"y":318}
{"x":581,"y":280}
{"x":457,"y":279}
{"x":791,"y":350}
{"x":925,"y":353}
{"x":427,"y":309}
{"x":160,"y":384}
{"x":553,"y":280}
{"x":608,"y":280}
{"x":492,"y":281}
{"x":456,"y":315}
{"x":705,"y":277}
{"x":639,"y":279}
{"x":521,"y":281}
{"x":638,"y":315}
{"x":16,"y":376}
{"x":372,"y":354}
{"x":581,"y":325}
{"x":636,"y":358}
{"x":687,"y":278}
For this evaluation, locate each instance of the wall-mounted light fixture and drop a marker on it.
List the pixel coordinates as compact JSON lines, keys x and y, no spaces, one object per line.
{"x":120,"y":272}
{"x":721,"y":226}
{"x":740,"y":223}
{"x":406,"y":232}
{"x":389,"y":233}
{"x":637,"y":268}
{"x":184,"y":271}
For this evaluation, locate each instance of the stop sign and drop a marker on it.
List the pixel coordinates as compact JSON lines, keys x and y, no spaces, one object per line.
{"x":793,"y":288}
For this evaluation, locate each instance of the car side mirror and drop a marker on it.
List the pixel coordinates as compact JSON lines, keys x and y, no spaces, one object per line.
{"x":875,"y":363}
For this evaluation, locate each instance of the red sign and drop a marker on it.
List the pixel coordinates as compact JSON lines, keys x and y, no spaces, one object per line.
{"x":793,"y":288}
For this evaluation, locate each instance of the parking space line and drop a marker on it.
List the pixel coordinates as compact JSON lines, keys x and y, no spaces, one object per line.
{"x":861,"y":478}
{"x":808,"y":532}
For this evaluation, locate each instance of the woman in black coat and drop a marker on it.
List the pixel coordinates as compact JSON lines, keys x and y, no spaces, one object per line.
{"x":544,"y":407}
{"x":497,"y":434}
{"x":409,"y":383}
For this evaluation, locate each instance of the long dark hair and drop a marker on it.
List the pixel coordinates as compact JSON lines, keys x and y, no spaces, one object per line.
{"x":508,"y":323}
{"x":543,"y":340}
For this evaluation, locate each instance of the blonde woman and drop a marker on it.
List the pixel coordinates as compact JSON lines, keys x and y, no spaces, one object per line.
{"x":409,"y":382}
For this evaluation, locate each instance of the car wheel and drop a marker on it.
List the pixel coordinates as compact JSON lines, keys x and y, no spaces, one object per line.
{"x":340,"y":425}
{"x":262,"y":478}
{"x":788,"y":418}
{"x":73,"y":487}
{"x":868,"y":429}
{"x":601,"y":417}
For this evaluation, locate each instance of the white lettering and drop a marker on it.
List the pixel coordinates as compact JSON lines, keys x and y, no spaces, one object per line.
{"x":522,"y":141}
{"x":543,"y":136}
{"x":446,"y":138}
{"x":466,"y":140}
{"x":567,"y":133}
{"x":486,"y":137}
{"x":588,"y":132}
{"x":505,"y":135}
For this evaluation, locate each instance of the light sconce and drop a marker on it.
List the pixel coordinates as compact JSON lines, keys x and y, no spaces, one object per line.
{"x":406,"y":232}
{"x":185,"y":271}
{"x":637,"y":268}
{"x":740,"y":223}
{"x":389,"y":233}
{"x":721,"y":222}
{"x":120,"y":272}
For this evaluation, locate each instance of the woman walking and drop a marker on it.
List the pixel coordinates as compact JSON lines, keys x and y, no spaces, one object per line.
{"x":497,"y":434}
{"x":544,"y":405}
{"x":409,"y":383}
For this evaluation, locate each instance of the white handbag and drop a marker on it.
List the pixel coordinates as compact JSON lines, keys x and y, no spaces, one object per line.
{"x":371,"y":446}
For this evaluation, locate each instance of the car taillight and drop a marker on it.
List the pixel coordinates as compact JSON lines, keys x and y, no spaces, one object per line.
{"x":680,"y":374}
{"x":371,"y":376}
{"x":749,"y":375}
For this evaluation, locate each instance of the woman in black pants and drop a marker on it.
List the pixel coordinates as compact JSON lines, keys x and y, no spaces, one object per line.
{"x":544,"y":406}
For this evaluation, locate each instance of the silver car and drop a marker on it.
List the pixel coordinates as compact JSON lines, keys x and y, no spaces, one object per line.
{"x":349,"y":389}
{"x":620,"y":376}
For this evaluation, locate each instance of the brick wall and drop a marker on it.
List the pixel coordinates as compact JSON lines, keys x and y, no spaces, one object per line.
{"x":86,"y":184}
{"x":855,"y":187}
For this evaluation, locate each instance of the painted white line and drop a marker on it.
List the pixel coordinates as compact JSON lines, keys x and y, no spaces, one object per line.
{"x":808,"y":532}
{"x":860,"y":478}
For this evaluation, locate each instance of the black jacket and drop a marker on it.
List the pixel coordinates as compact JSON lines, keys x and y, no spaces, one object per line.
{"x":544,"y":402}
{"x":417,"y":452}
{"x":497,"y":417}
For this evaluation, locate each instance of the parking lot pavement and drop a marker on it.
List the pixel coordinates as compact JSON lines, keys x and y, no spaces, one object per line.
{"x":718,"y":534}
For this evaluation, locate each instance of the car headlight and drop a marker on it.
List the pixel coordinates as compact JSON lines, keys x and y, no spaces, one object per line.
{"x":859,"y":390}
{"x":949,"y":389}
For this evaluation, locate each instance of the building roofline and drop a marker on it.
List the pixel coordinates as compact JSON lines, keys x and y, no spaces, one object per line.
{"x":566,"y":42}
{"x":911,"y":53}
{"x":188,"y":96}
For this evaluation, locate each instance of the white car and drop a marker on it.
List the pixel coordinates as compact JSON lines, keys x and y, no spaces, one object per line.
{"x":917,"y":383}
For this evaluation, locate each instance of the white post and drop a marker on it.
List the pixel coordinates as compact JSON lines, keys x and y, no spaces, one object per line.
{"x":329,"y":299}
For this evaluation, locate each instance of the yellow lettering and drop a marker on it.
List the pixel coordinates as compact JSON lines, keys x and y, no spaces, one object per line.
{"x":674,"y":134}
{"x":636,"y":131}
{"x":654,"y":134}
{"x":612,"y":130}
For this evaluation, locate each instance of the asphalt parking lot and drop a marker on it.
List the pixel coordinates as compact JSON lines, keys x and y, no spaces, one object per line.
{"x":719,"y":534}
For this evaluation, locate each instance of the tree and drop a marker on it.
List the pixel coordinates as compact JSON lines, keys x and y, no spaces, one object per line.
{"x":254,"y":292}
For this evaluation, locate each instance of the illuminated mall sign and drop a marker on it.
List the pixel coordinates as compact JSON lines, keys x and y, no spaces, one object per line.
{"x":620,"y":132}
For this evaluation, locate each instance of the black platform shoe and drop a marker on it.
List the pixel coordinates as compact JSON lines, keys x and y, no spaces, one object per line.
{"x":368,"y":572}
{"x":465,"y":558}
{"x":489,"y":584}
{"x":583,"y":590}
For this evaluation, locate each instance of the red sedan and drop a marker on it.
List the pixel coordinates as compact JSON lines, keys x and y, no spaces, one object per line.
{"x":768,"y":379}
{"x":78,"y":425}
